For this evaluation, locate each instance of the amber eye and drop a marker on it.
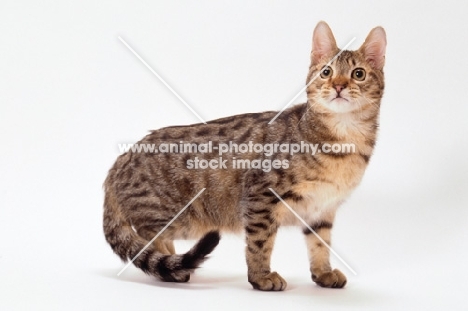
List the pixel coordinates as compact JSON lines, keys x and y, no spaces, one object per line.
{"x":326,"y":72}
{"x":358,"y":74}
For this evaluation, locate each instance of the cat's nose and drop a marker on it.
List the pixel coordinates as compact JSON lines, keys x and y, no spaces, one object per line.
{"x":339,"y":87}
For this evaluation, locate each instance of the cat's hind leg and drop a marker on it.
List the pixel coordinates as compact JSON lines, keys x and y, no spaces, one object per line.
{"x":165,"y":246}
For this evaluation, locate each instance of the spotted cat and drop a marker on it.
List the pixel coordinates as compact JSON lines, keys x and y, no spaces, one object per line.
{"x":144,"y":191}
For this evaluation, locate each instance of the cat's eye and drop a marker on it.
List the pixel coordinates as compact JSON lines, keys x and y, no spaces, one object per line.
{"x":326,"y":72}
{"x":358,"y":74}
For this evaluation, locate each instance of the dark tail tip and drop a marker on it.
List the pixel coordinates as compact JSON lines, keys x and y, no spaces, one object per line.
{"x":193,"y":258}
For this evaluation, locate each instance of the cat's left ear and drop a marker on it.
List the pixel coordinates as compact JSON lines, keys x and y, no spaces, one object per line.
{"x":374,"y":47}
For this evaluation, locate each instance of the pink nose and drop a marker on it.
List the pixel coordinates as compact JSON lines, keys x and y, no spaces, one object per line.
{"x":339,"y":87}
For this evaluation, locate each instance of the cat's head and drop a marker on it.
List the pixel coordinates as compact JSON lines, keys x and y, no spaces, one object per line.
{"x":353,"y":81}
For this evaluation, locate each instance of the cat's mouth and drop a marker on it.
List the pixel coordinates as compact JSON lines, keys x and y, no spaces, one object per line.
{"x":341,"y":104}
{"x":339,"y":99}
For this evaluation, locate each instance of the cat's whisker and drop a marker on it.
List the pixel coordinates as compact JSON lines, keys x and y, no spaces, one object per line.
{"x":358,"y":103}
{"x":310,"y":103}
{"x":373,"y":103}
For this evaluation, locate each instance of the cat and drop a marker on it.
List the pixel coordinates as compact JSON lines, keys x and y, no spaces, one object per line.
{"x":144,"y":191}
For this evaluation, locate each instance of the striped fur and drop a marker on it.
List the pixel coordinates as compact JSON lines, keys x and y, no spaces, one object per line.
{"x":144,"y":191}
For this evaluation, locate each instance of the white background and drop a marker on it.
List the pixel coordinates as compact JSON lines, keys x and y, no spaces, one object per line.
{"x":70,"y":91}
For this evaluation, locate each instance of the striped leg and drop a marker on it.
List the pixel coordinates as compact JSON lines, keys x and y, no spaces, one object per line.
{"x":261,"y":230}
{"x":319,"y":256}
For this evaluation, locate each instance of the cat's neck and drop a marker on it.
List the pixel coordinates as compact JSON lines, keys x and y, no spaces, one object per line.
{"x":351,"y":125}
{"x":355,"y":127}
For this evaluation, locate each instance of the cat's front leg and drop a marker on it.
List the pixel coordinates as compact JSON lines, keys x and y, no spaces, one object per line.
{"x":261,"y":227}
{"x":319,"y":255}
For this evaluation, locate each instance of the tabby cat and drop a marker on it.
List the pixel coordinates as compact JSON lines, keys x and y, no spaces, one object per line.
{"x":144,"y":191}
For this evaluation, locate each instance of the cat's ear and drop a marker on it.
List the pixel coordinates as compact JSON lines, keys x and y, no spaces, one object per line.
{"x":323,"y":42}
{"x":374,"y":47}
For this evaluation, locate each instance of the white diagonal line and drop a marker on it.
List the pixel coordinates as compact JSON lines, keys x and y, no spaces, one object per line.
{"x":311,"y":80}
{"x":161,"y":79}
{"x":312,"y":230}
{"x":159,"y":233}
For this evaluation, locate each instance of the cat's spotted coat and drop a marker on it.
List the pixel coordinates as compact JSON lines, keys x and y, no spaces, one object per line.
{"x":144,"y":191}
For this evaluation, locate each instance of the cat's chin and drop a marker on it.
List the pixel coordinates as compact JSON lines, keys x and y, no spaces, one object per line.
{"x":341,"y":105}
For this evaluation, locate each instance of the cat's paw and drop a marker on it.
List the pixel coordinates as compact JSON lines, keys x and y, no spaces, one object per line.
{"x":331,"y":279}
{"x":179,"y":276}
{"x":269,"y":282}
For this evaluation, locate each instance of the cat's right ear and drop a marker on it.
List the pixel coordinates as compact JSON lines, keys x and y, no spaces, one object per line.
{"x":323,"y":42}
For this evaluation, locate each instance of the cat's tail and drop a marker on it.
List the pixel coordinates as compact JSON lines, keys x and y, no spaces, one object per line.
{"x":127,"y":244}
